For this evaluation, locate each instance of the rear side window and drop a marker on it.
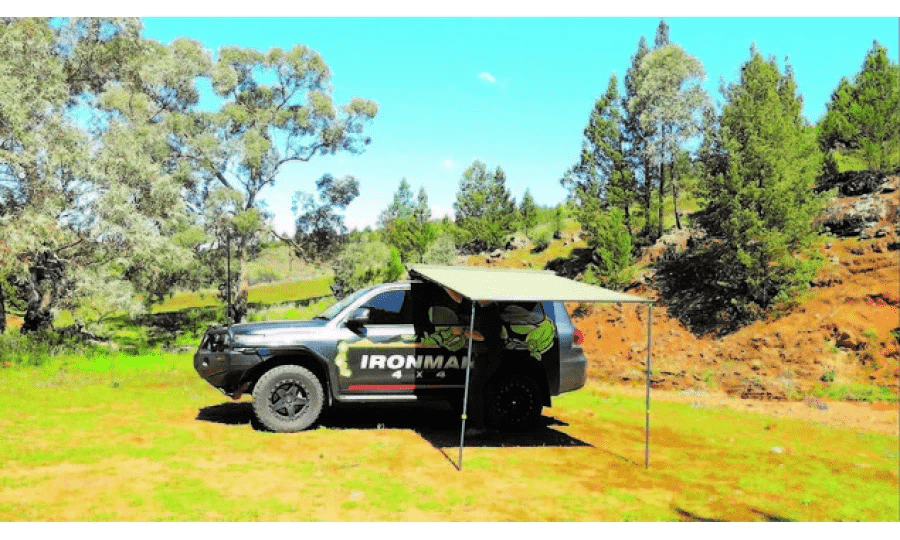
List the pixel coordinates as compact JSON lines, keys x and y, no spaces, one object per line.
{"x":522,"y":313}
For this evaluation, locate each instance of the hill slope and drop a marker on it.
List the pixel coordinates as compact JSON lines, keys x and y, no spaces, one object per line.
{"x":840,"y":342}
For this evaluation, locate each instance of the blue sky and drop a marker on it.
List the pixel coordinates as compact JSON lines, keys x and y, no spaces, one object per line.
{"x":512,"y":92}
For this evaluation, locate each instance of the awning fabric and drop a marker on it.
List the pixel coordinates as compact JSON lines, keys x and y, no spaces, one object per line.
{"x":508,"y":285}
{"x":505,"y":285}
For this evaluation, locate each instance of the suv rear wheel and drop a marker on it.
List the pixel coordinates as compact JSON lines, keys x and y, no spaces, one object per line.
{"x":288,"y":398}
{"x":514,"y":403}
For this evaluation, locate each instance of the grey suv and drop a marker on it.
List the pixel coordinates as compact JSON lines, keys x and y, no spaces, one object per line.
{"x":395,"y":342}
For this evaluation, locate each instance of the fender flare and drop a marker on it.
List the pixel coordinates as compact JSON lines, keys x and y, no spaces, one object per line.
{"x":298,"y":356}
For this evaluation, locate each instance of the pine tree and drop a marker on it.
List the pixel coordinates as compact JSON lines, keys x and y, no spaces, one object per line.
{"x":636,"y":134}
{"x":762,"y":198}
{"x":865,"y":115}
{"x":602,"y":172}
{"x":528,"y":211}
{"x":485,"y":210}
{"x":406,"y":225}
{"x":422,"y":211}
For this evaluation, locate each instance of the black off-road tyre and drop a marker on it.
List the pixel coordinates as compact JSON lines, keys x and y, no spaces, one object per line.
{"x":288,"y":398}
{"x":514,"y":403}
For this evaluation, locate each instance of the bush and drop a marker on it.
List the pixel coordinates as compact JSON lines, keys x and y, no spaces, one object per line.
{"x":441,"y":251}
{"x":854,"y":392}
{"x":36,"y":348}
{"x":360,"y":264}
{"x":541,"y":240}
{"x":608,"y":236}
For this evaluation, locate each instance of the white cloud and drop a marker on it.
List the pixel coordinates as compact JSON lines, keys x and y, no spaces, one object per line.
{"x":448,"y":164}
{"x":487,"y":77}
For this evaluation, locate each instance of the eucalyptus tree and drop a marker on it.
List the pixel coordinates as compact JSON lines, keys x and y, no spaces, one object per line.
{"x":320,"y":228}
{"x":670,"y":92}
{"x":87,"y":164}
{"x":277,"y":108}
{"x":42,"y":158}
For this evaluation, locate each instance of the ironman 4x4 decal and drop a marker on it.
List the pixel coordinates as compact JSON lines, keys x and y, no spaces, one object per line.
{"x":537,"y":330}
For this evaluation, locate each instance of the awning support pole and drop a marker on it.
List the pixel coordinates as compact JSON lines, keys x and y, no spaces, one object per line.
{"x":649,"y":345}
{"x":462,"y":429}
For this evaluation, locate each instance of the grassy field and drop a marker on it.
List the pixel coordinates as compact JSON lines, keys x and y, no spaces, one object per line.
{"x":135,"y":438}
{"x":270,"y":293}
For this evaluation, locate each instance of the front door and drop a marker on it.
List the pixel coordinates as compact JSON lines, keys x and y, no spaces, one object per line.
{"x":376,"y":358}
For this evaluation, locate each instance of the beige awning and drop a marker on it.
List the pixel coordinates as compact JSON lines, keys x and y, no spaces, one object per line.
{"x":508,"y":285}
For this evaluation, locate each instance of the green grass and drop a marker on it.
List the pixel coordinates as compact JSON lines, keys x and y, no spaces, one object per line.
{"x":852,"y":391}
{"x":272,"y":293}
{"x":116,"y":437}
{"x":277,"y":262}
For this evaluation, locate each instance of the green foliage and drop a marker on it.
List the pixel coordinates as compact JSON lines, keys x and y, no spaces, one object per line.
{"x":670,"y":96}
{"x":320,"y":228}
{"x":441,"y":251}
{"x":528,"y":211}
{"x":558,"y":222}
{"x":406,"y":225}
{"x":828,"y":376}
{"x":364,"y":263}
{"x":606,"y":233}
{"x":485,"y":211}
{"x":760,"y":201}
{"x":853,"y":392}
{"x":541,"y":239}
{"x":864,"y":115}
{"x":601,"y":173}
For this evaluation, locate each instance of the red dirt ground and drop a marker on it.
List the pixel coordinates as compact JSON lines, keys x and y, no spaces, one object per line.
{"x":844,"y":327}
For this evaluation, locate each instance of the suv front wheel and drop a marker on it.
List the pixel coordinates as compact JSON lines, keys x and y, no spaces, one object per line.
{"x":288,"y":398}
{"x":515,"y":403}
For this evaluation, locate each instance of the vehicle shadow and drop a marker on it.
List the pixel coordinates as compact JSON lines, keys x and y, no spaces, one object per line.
{"x":434,"y":422}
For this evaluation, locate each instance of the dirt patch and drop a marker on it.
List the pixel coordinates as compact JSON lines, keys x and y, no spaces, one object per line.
{"x":844,"y":331}
{"x":869,"y":417}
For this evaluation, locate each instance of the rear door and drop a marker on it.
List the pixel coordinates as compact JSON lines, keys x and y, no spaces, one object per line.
{"x":442,"y":327}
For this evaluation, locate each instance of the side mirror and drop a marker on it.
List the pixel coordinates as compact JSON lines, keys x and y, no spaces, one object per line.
{"x":359,"y":317}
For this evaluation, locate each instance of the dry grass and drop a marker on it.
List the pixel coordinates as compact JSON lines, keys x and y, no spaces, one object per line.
{"x":143,"y":438}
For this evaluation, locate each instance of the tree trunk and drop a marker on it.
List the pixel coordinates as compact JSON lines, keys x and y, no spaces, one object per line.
{"x":628,"y":219}
{"x":648,"y":195}
{"x":662,"y":194}
{"x":2,"y":311}
{"x":47,"y":275}
{"x":675,"y":196}
{"x":37,"y":314}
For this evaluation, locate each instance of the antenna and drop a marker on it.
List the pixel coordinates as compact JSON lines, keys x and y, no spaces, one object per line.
{"x":228,"y":310}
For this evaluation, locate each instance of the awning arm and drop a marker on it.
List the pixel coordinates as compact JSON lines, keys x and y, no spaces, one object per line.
{"x":649,"y":344}
{"x":462,"y":429}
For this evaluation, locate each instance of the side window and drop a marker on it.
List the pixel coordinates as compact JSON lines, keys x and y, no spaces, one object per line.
{"x":389,"y":308}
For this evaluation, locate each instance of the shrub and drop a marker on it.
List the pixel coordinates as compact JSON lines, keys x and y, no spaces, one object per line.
{"x":441,"y":251}
{"x":364,"y":263}
{"x":541,"y":239}
{"x":608,"y":236}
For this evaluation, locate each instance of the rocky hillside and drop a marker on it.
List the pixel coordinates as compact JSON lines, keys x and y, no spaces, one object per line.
{"x":845,"y":332}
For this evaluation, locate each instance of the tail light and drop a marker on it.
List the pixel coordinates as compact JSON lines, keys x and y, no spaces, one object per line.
{"x":579,"y":337}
